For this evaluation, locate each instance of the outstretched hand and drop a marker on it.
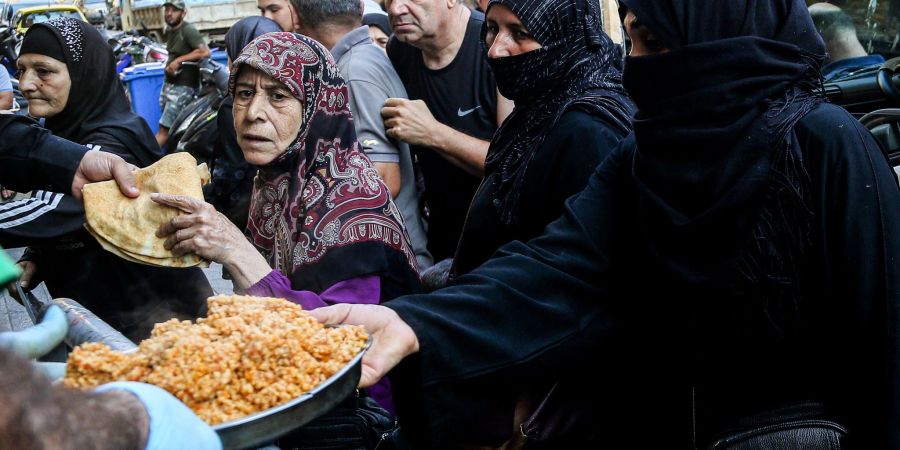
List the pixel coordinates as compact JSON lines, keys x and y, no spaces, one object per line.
{"x":203,"y":230}
{"x":209,"y":234}
{"x":103,"y":166}
{"x":392,"y":338}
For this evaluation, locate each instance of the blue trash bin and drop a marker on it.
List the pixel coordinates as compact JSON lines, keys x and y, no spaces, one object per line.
{"x":219,"y":56}
{"x":144,"y":82}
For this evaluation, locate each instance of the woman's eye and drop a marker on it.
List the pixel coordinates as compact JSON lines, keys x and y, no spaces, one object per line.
{"x":246,"y":93}
{"x":521,"y":35}
{"x":277,"y":96}
{"x":43,"y":72}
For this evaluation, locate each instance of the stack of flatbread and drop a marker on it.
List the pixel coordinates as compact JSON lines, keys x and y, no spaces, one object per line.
{"x":127,"y":226}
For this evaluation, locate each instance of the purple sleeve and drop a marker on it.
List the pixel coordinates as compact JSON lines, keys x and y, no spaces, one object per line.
{"x":365,"y":289}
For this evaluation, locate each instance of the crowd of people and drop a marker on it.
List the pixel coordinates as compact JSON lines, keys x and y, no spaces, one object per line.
{"x":555,"y":240}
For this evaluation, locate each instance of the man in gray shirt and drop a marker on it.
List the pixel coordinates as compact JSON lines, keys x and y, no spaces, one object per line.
{"x":337,"y":24}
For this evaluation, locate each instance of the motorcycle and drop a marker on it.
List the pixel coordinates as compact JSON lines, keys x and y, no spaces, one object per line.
{"x":867,"y":89}
{"x":873,"y":95}
{"x":131,"y":49}
{"x":195,"y":129}
{"x":9,"y":44}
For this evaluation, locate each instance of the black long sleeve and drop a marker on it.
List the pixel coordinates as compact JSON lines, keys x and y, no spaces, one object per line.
{"x":532,"y":310}
{"x":47,"y":216}
{"x":31,"y":157}
{"x":589,"y":283}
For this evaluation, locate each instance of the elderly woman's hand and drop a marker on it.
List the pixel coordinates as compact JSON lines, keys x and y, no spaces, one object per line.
{"x":209,"y":234}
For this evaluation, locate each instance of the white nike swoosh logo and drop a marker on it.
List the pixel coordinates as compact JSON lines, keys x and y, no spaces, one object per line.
{"x":465,"y":113}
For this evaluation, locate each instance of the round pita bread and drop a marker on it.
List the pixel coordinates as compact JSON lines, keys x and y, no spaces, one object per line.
{"x":127,"y":226}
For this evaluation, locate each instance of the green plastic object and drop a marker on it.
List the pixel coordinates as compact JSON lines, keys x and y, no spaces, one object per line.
{"x":9,"y":271}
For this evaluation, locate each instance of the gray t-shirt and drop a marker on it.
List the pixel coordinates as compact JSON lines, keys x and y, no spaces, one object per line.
{"x":5,"y":82}
{"x":372,"y":80}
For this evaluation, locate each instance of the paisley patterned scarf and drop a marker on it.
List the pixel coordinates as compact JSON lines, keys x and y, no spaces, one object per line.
{"x":320,"y":213}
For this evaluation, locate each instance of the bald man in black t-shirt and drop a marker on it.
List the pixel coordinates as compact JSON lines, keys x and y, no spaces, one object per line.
{"x":453,"y":107}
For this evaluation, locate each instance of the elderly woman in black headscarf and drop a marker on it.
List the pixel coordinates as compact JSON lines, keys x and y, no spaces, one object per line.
{"x":730,"y":269}
{"x":232,"y":175}
{"x":67,"y":73}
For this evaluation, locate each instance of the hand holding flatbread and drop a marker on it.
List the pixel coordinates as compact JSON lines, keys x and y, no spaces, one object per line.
{"x":208,"y":233}
{"x":127,"y":226}
{"x":102,"y":166}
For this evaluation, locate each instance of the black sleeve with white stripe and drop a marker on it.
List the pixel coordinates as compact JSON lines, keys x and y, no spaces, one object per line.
{"x":44,"y":217}
{"x":31,"y":157}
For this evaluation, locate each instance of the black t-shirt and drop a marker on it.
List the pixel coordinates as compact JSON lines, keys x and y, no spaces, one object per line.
{"x":462,"y":95}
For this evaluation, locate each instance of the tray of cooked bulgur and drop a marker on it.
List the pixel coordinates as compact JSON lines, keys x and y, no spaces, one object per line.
{"x":255,"y":368}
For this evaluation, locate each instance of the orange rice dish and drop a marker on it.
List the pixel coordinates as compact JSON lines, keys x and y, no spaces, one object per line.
{"x":249,"y":354}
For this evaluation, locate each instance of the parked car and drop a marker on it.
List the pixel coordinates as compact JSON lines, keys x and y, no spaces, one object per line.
{"x":27,"y":17}
{"x":9,"y":8}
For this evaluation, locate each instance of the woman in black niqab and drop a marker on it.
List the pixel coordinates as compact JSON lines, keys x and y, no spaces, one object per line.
{"x":567,"y":93}
{"x":731,"y":265}
{"x":714,"y":138}
{"x":571,"y":112}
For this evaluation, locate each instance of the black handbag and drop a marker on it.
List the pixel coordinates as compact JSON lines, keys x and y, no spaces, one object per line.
{"x":796,"y":426}
{"x":358,"y":423}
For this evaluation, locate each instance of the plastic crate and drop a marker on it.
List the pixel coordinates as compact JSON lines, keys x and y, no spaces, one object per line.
{"x":219,"y":56}
{"x":144,"y":83}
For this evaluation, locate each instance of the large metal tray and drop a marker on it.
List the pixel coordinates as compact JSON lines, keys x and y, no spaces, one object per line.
{"x":264,"y":427}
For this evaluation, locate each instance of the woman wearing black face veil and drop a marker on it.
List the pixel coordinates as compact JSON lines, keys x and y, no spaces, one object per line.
{"x":732,"y":264}
{"x":571,"y":111}
{"x":94,"y":112}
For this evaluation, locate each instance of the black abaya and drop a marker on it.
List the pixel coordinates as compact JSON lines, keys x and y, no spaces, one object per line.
{"x":589,"y":295}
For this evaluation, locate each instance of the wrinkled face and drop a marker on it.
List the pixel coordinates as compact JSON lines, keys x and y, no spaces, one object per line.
{"x":506,"y":36}
{"x":281,"y":11}
{"x":174,"y":16}
{"x":267,"y":117}
{"x":416,"y":20}
{"x":45,"y":83}
{"x":643,"y":42}
{"x":378,"y":37}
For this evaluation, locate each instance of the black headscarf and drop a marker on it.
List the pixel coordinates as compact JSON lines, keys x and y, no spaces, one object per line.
{"x":379,"y":20}
{"x":712,"y":128}
{"x":245,"y":30}
{"x":97,"y":103}
{"x":577,"y":67}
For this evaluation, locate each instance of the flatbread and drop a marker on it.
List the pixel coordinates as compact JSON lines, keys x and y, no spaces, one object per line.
{"x":127,"y":226}
{"x":189,"y":260}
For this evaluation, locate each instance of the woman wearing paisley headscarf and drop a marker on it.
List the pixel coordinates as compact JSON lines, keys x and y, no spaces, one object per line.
{"x":232,"y":175}
{"x":732,"y":265}
{"x":322,"y":228}
{"x":67,"y":73}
